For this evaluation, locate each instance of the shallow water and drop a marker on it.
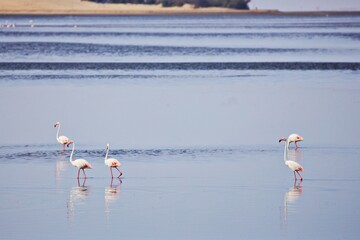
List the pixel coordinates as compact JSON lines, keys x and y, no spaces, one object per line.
{"x":180,"y":193}
{"x":193,"y":108}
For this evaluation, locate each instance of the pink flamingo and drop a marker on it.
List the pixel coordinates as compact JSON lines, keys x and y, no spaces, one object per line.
{"x":79,"y":163}
{"x":62,"y":139}
{"x":292,"y":138}
{"x":112,"y":162}
{"x":294,"y":166}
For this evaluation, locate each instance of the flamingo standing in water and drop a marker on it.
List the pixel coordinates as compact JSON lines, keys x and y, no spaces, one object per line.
{"x":294,"y":166}
{"x":292,"y":138}
{"x":79,"y":163}
{"x":112,"y":162}
{"x":62,"y":139}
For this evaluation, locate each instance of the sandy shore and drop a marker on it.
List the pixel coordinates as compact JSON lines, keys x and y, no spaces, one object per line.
{"x":78,"y":7}
{"x":84,"y":7}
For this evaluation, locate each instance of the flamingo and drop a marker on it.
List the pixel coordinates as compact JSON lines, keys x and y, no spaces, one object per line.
{"x":62,"y":139}
{"x":292,"y":138}
{"x":79,"y":163}
{"x":112,"y":162}
{"x":294,"y":166}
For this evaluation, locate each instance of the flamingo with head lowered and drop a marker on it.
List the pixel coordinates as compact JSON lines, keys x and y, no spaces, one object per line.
{"x":292,"y":138}
{"x":112,"y":162}
{"x":79,"y":163}
{"x":61,"y":139}
{"x":294,"y":166}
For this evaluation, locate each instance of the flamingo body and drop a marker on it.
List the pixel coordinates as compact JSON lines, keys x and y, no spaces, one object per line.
{"x":294,"y":166}
{"x":81,"y":163}
{"x":63,"y":140}
{"x":294,"y":138}
{"x":112,"y":162}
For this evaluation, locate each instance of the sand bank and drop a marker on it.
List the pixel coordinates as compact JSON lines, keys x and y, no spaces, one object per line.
{"x":84,"y":7}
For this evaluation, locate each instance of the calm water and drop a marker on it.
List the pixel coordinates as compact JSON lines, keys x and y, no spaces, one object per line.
{"x":193,"y":108}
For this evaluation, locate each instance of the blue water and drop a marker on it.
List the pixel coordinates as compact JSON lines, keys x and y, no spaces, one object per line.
{"x":193,"y":107}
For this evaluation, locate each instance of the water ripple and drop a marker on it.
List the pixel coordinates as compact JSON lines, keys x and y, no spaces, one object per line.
{"x":24,"y":154}
{"x":180,"y":66}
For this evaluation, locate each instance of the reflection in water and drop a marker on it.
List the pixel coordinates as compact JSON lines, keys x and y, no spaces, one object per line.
{"x":295,"y":155}
{"x":77,"y":196}
{"x":61,"y":166}
{"x":112,"y":193}
{"x":290,"y":199}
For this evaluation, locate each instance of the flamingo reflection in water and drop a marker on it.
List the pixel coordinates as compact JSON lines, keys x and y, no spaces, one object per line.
{"x":112,"y":193}
{"x":78,"y":195}
{"x":60,"y":167}
{"x":290,"y":200}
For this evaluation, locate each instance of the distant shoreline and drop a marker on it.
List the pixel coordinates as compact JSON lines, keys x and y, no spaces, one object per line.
{"x":78,"y":7}
{"x":134,"y":13}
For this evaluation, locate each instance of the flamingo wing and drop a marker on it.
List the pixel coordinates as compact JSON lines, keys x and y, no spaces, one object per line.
{"x":294,"y":166}
{"x":82,"y":163}
{"x":112,"y":162}
{"x":63,"y":139}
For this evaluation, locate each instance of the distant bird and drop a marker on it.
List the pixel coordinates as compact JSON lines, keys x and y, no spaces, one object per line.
{"x":62,"y":139}
{"x":292,"y":138}
{"x":79,"y":163}
{"x":294,"y":166}
{"x":112,"y":162}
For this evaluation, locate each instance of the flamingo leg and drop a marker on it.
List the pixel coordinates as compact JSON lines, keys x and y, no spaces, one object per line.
{"x":296,"y":145}
{"x":119,"y":172}
{"x":111,"y":174}
{"x":295,"y":176}
{"x":299,"y":175}
{"x":78,"y":173}
{"x":63,"y":147}
{"x":84,"y":173}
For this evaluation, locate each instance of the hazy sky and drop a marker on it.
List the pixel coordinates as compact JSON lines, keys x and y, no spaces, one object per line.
{"x":306,"y":5}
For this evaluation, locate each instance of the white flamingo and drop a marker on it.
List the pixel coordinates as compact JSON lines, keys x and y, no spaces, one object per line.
{"x":61,"y":139}
{"x":292,"y":138}
{"x":294,"y":166}
{"x":112,"y":162}
{"x":79,"y":163}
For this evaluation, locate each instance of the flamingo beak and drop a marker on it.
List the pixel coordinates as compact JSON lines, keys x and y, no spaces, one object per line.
{"x":282,"y":139}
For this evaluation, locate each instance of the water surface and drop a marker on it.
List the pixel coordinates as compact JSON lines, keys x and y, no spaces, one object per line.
{"x":192,"y":106}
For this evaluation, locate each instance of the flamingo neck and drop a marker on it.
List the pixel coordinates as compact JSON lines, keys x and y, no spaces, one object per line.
{"x":71,"y":155}
{"x":107,"y":152}
{"x":57,"y":133}
{"x":285,"y":150}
